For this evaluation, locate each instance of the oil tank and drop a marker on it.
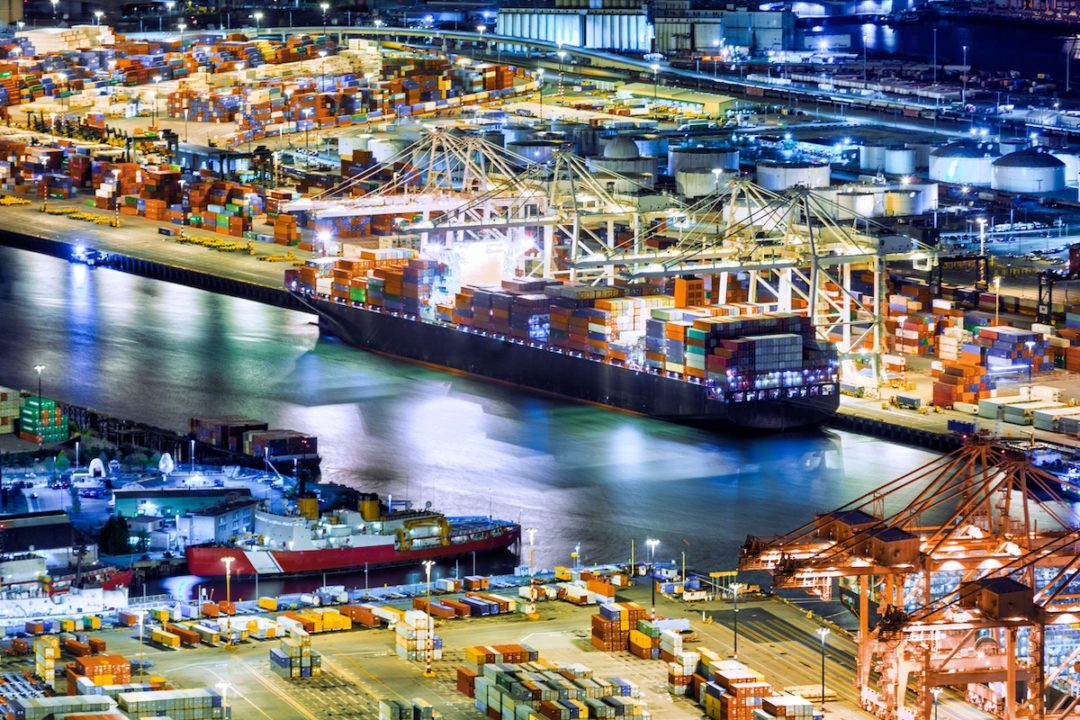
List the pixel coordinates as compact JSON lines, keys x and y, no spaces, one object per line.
{"x":699,"y":183}
{"x":781,"y":175}
{"x":900,"y":203}
{"x":700,"y":157}
{"x":518,"y":132}
{"x":823,"y":202}
{"x":1011,"y":145}
{"x":1072,"y":167}
{"x":872,"y":157}
{"x":495,"y":137}
{"x":899,"y":161}
{"x":621,"y":156}
{"x":538,"y":151}
{"x":651,"y":145}
{"x":922,"y":153}
{"x":855,"y":204}
{"x":963,"y":163}
{"x":1028,"y":171}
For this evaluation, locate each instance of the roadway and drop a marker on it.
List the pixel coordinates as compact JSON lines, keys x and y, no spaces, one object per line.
{"x":360,"y":667}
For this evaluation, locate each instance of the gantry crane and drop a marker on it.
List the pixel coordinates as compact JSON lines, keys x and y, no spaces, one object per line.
{"x":974,"y":574}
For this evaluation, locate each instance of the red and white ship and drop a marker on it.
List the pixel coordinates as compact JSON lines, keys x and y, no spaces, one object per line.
{"x":351,"y":539}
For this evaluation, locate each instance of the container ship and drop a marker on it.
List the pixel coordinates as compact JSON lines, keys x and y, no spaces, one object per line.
{"x":630,"y":348}
{"x":375,"y":535}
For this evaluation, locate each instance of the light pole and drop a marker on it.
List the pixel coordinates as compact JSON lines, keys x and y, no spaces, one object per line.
{"x":157,"y":81}
{"x":181,"y":27}
{"x":307,"y":115}
{"x":54,"y":4}
{"x":531,"y":532}
{"x":324,"y":7}
{"x":655,"y":82}
{"x":97,"y":16}
{"x":258,"y":19}
{"x":651,"y":543}
{"x":429,"y":645}
{"x":1030,"y":344}
{"x":39,"y":369}
{"x":540,"y":74}
{"x":963,"y":86}
{"x":562,"y":55}
{"x":228,"y":580}
{"x":142,"y":665}
{"x":823,"y":633}
{"x":935,"y":57}
{"x":982,"y":235}
{"x":936,"y":692}
{"x":717,"y":172}
{"x":997,"y":300}
{"x":735,"y":588}
{"x":716,"y":59}
{"x":480,"y":29}
{"x":324,"y":237}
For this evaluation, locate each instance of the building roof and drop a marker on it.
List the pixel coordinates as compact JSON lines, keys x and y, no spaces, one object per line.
{"x":40,"y":531}
{"x":854,"y":517}
{"x":173,"y":493}
{"x":223,"y":507}
{"x":892,"y":534}
{"x":621,"y":148}
{"x":1029,"y":159}
{"x":648,"y":90}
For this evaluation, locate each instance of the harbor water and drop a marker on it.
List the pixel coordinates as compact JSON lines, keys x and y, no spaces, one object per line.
{"x":159,"y":353}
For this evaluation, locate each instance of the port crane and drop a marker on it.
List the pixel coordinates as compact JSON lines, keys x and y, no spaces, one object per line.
{"x":974,"y":576}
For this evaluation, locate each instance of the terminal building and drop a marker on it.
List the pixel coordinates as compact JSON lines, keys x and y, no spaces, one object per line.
{"x":170,"y":502}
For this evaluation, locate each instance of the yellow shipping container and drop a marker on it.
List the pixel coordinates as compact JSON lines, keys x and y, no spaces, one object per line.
{"x":268,"y":603}
{"x":95,"y":623}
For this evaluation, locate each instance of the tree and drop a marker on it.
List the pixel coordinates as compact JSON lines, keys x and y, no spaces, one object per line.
{"x":62,"y":463}
{"x":76,"y":501}
{"x":115,"y":537}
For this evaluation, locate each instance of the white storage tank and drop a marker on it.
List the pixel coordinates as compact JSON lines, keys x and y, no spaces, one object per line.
{"x":348,"y":143}
{"x":900,"y":203}
{"x":495,"y":137}
{"x":780,"y":175}
{"x":1011,"y":145}
{"x":963,"y":163}
{"x":518,"y":132}
{"x":872,"y":157}
{"x":621,"y":156}
{"x":823,"y":202}
{"x":537,"y":151}
{"x":651,"y":145}
{"x":699,"y":157}
{"x":1072,"y":167}
{"x":1028,"y":171}
{"x":855,"y":204}
{"x":922,"y":153}
{"x":699,"y":183}
{"x":899,"y":160}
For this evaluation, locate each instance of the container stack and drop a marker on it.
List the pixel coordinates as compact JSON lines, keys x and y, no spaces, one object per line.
{"x":46,"y":652}
{"x":681,"y":670}
{"x":9,"y":410}
{"x":612,"y":625}
{"x":44,"y":708}
{"x":915,"y":334}
{"x":645,"y":640}
{"x":100,"y":670}
{"x":956,"y":382}
{"x":1007,"y":348}
{"x":41,"y":421}
{"x":194,"y":704}
{"x":415,"y":637}
{"x":417,"y":709}
{"x":294,"y":657}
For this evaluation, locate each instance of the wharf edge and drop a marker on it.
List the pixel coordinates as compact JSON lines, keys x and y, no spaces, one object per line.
{"x":283,"y":299}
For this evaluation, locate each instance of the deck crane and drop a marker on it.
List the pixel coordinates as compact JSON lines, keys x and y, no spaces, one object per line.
{"x":974,"y":577}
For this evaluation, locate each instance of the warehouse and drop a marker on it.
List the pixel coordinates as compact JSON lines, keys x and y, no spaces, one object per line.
{"x":700,"y":103}
{"x":172,"y":501}
{"x":49,"y":534}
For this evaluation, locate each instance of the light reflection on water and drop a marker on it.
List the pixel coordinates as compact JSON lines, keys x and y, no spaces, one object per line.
{"x":159,"y":353}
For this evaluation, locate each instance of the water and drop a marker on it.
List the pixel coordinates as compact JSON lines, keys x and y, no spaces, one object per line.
{"x":158,"y":353}
{"x":1002,"y":46}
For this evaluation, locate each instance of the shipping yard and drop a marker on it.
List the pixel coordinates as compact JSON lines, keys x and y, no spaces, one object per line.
{"x":304,"y":319}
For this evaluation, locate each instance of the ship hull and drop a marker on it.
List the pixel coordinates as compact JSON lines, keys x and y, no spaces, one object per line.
{"x":206,"y":560}
{"x":566,"y":375}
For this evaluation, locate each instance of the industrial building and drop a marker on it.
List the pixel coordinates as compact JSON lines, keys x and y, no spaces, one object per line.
{"x":170,"y":502}
{"x":48,"y":534}
{"x":219,"y":522}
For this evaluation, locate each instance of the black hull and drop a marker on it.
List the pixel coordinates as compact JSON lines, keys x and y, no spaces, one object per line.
{"x":564,"y":375}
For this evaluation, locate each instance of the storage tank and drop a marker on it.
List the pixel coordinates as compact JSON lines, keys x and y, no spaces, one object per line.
{"x":1011,"y":145}
{"x":872,"y":157}
{"x":900,"y":203}
{"x":781,"y":175}
{"x":922,"y":153}
{"x":855,"y":204}
{"x":495,"y":137}
{"x":1028,"y":171}
{"x":518,"y":132}
{"x":823,"y":202}
{"x":621,"y":156}
{"x":1072,"y":167}
{"x":651,"y":145}
{"x":699,"y":183}
{"x":385,"y":147}
{"x":537,"y":151}
{"x":963,"y":163}
{"x":899,"y":161}
{"x":699,"y":157}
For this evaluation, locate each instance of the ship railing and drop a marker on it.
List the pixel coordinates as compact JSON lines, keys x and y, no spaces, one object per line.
{"x":144,"y":601}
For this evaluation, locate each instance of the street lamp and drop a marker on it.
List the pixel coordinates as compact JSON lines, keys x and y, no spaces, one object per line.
{"x":322,"y":68}
{"x":378,"y":24}
{"x":823,"y":633}
{"x":531,"y":532}
{"x":651,"y":543}
{"x":1030,"y":344}
{"x":39,"y":369}
{"x":54,"y":4}
{"x":716,"y":58}
{"x":717,"y":172}
{"x":307,"y":114}
{"x":429,"y":646}
{"x":142,"y":665}
{"x":997,"y":299}
{"x":324,"y":237}
{"x":258,"y":19}
{"x":963,"y":86}
{"x":181,"y":27}
{"x":324,"y":7}
{"x":982,"y":235}
{"x":562,"y":55}
{"x":735,"y":589}
{"x":228,"y":579}
{"x":97,"y":15}
{"x":936,"y":692}
{"x":655,"y":81}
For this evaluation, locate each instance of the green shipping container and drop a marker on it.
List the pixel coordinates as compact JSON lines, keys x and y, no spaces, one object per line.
{"x":358,"y":294}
